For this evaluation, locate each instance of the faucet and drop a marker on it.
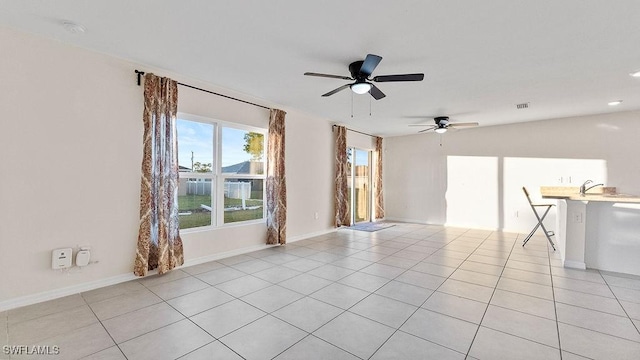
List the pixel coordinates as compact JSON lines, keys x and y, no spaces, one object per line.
{"x":584,"y":188}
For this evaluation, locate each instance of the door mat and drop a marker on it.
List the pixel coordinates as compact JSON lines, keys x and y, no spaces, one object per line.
{"x":370,"y":226}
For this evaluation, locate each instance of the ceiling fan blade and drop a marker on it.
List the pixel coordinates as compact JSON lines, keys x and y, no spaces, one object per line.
{"x":429,"y":128}
{"x":336,"y":90}
{"x":463,"y":124}
{"x":376,"y":93}
{"x":369,"y":64}
{"x":399,"y":77}
{"x":328,"y":76}
{"x":420,"y":125}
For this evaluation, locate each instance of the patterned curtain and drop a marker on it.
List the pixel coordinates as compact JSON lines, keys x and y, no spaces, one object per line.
{"x":276,"y":181}
{"x":159,"y":243}
{"x":341,"y":196}
{"x":377,"y":181}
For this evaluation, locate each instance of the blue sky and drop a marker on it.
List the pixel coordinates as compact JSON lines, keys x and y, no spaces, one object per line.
{"x":198,"y":137}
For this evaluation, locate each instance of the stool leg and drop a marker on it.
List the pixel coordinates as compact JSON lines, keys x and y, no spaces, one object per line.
{"x":546,"y":233}
{"x":540,"y":224}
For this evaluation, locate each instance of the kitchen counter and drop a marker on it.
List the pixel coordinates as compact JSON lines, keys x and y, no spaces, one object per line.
{"x":600,"y":230}
{"x":608,"y":194}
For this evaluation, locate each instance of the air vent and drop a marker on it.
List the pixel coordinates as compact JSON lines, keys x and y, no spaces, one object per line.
{"x":522,"y":106}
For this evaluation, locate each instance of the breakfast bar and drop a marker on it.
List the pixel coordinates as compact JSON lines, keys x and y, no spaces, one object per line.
{"x":599,"y":229}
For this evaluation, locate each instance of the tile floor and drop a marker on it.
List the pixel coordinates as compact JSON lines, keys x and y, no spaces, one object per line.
{"x":406,"y":292}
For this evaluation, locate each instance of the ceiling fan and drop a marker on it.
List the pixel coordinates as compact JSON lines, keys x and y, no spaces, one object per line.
{"x":442,"y":124}
{"x":361,"y":74}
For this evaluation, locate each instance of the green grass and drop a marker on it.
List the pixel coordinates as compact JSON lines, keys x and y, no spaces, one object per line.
{"x":201,"y":217}
{"x":192,"y":202}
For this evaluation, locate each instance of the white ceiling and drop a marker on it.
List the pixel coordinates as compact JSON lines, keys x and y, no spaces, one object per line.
{"x":480,"y":58}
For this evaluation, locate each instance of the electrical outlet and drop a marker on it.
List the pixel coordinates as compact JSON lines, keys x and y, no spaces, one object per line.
{"x":316,"y":215}
{"x":577,"y":218}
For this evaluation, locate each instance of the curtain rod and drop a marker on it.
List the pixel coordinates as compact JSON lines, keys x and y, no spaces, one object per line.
{"x":140,"y":73}
{"x":355,"y":131}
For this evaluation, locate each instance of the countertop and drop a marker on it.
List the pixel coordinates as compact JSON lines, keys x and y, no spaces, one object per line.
{"x":603,"y":194}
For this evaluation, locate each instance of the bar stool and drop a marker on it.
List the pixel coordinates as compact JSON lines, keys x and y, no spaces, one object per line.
{"x":546,"y":208}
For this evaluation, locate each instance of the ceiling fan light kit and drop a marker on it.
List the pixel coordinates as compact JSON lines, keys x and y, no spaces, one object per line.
{"x":361,"y":88}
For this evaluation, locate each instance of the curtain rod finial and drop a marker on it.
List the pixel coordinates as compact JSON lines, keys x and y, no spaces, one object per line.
{"x":139,"y":74}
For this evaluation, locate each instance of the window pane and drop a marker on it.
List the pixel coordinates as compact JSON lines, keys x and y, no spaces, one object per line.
{"x":195,"y":146}
{"x":194,"y":202}
{"x":243,"y":200}
{"x":242,"y":152}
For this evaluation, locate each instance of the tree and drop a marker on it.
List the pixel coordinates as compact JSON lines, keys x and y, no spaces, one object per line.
{"x":202,"y":168}
{"x":254,"y":145}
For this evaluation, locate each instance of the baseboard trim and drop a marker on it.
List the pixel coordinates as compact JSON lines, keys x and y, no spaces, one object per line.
{"x":310,"y":235}
{"x":62,"y":292}
{"x":415,"y":221}
{"x":113,"y":280}
{"x":574,"y":264}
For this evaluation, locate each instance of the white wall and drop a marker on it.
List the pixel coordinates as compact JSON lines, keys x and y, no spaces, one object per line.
{"x":71,"y":148}
{"x":475,"y":177}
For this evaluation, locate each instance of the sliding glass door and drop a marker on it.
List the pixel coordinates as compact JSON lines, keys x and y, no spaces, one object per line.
{"x":359,"y":183}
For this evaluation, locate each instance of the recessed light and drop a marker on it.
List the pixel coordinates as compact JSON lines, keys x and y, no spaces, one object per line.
{"x":73,"y":27}
{"x":615,"y":103}
{"x":635,"y":74}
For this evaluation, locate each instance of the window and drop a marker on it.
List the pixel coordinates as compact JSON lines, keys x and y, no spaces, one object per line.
{"x":242,"y":174}
{"x":222,"y":173}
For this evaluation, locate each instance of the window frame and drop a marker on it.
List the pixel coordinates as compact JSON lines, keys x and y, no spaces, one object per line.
{"x":218,"y":177}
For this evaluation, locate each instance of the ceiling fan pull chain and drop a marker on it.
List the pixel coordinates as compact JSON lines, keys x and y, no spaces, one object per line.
{"x":369,"y":105}
{"x":352,"y":104}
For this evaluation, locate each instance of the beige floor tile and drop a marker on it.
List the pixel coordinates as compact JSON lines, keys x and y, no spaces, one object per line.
{"x":455,"y":306}
{"x":242,"y":286}
{"x":308,"y":314}
{"x":384,"y":310}
{"x":153,"y":280}
{"x":492,"y":344}
{"x":355,"y":334}
{"x":169,"y":342}
{"x":467,"y":290}
{"x":593,"y":302}
{"x":44,"y":308}
{"x":111,"y":291}
{"x":226,"y":318}
{"x":173,"y":289}
{"x":82,"y":342}
{"x":482,"y":268}
{"x":48,"y":326}
{"x":596,"y":345}
{"x":139,"y":322}
{"x":524,"y":303}
{"x":441,"y":329}
{"x":620,"y":326}
{"x":124,"y":303}
{"x":312,"y":348}
{"x":587,"y":287}
{"x":526,"y":288}
{"x":475,"y":278}
{"x":530,"y":327}
{"x":252,"y":342}
{"x":112,"y":353}
{"x":199,"y":301}
{"x":405,"y":346}
{"x":212,"y":351}
{"x":421,"y":279}
{"x":529,"y":276}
